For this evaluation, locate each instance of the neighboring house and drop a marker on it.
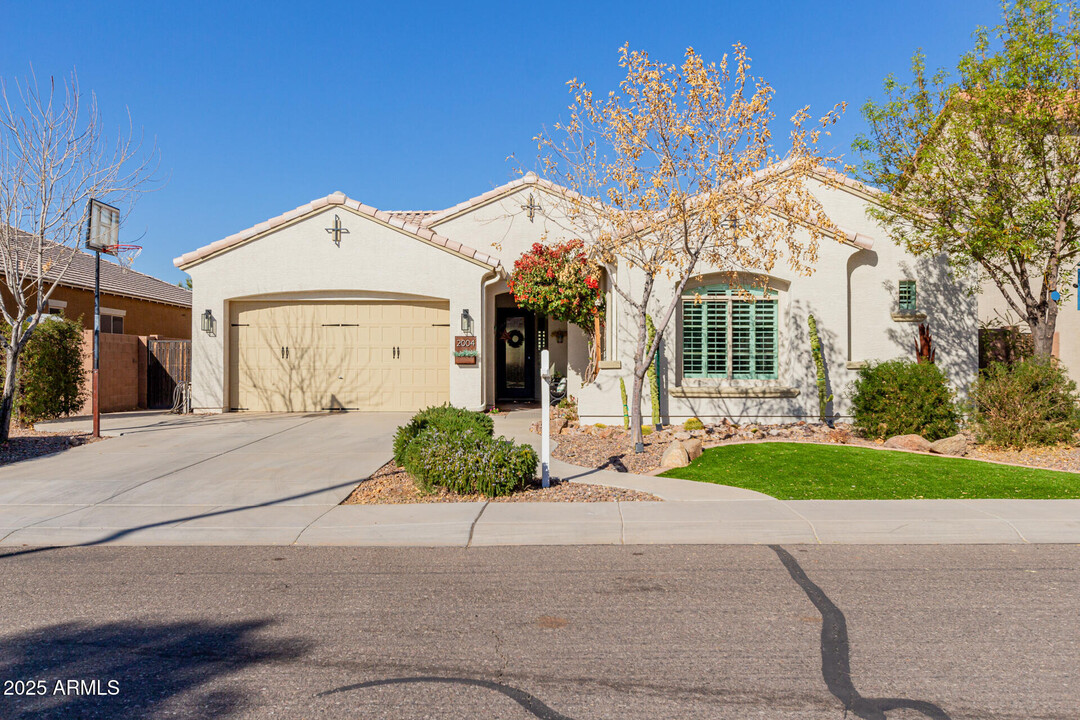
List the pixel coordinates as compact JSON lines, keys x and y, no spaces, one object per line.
{"x":132,"y":303}
{"x":134,"y":308}
{"x":337,"y":305}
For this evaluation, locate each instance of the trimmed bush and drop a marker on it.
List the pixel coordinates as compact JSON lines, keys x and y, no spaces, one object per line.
{"x":469,"y":462}
{"x":899,"y":397}
{"x":51,"y":380}
{"x":1027,"y":403}
{"x":443,"y":417}
{"x":693,"y":424}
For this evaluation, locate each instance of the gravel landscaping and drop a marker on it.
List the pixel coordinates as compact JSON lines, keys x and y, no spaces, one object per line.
{"x":609,"y":448}
{"x":391,"y":485}
{"x":25,"y":443}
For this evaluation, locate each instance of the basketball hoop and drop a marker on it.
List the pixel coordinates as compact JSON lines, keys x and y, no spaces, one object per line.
{"x":125,"y":254}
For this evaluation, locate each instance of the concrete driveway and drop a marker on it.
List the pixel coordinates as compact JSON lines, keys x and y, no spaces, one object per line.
{"x":195,"y":479}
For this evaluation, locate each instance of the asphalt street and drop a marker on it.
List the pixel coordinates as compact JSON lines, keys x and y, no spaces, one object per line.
{"x":873,"y":632}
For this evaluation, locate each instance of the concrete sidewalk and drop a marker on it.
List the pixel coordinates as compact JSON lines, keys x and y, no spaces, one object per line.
{"x":264,"y":495}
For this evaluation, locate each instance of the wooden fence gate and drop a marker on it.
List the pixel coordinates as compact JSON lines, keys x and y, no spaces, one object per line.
{"x":168,"y":365}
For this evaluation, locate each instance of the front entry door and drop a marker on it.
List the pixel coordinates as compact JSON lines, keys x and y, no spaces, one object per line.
{"x":515,"y":353}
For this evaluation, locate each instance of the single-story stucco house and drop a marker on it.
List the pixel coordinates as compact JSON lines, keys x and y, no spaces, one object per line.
{"x":338,"y":305}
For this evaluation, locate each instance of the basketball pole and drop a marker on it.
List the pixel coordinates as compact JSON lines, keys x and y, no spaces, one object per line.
{"x":97,"y":349}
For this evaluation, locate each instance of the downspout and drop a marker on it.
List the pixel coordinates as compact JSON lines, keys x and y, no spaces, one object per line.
{"x":495,"y":275}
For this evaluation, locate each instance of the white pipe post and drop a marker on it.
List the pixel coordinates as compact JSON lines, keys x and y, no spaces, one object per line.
{"x":545,"y":409}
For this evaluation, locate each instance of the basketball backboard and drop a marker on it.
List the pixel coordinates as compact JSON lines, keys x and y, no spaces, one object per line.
{"x":103,"y":227}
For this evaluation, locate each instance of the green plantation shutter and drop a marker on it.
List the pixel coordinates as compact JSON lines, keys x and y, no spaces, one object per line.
{"x":693,"y":341}
{"x":753,"y":349}
{"x":704,"y":339}
{"x":907,"y":296}
{"x":753,"y":340}
{"x":715,"y":339}
{"x":742,"y":335}
{"x":765,"y":340}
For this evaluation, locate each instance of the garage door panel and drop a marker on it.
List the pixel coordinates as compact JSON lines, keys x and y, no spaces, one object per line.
{"x":339,"y":355}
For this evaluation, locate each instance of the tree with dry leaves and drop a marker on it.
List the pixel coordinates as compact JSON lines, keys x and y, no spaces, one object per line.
{"x":983,"y":164}
{"x":54,"y":157}
{"x":675,"y":173}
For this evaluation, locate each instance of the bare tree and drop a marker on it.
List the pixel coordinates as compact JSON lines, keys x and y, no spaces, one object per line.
{"x":675,"y":171}
{"x":54,"y":157}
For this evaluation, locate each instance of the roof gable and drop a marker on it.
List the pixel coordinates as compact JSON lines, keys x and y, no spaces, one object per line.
{"x":467,"y":206}
{"x":399,"y":221}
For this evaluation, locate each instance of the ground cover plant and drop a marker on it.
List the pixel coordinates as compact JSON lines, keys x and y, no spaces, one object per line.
{"x":445,"y":446}
{"x":469,"y":462}
{"x":899,"y":397}
{"x":807,"y":471}
{"x":444,"y":417}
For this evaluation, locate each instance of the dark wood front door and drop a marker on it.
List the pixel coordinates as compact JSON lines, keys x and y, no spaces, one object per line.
{"x":515,"y":353}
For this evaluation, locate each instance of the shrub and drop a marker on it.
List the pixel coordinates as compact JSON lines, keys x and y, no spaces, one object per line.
{"x":560,"y":281}
{"x":900,"y":397}
{"x":51,"y":380}
{"x":569,"y":407}
{"x":693,"y":424}
{"x":469,"y":462}
{"x":1026,"y":403}
{"x":443,"y":417}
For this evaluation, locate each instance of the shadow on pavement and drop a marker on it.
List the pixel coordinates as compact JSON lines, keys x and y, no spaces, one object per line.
{"x":118,"y":534}
{"x":836,"y":655}
{"x":155,"y":668}
{"x":530,"y":703}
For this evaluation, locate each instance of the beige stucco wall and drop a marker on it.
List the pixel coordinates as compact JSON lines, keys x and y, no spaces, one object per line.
{"x":502,"y":228}
{"x":300,"y":262}
{"x":852,"y":294}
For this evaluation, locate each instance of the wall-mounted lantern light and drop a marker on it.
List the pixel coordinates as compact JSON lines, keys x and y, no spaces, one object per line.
{"x":208,"y":322}
{"x":466,"y":322}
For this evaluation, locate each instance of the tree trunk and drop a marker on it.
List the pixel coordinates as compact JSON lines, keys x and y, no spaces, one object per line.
{"x":7,"y":403}
{"x":636,"y":435}
{"x":1042,"y":334}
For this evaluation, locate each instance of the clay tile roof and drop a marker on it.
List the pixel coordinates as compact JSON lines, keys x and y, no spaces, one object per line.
{"x":114,"y":280}
{"x":413,"y":217}
{"x":396,"y":220}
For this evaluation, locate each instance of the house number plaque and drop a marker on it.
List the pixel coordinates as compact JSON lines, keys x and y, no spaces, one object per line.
{"x":465,"y":350}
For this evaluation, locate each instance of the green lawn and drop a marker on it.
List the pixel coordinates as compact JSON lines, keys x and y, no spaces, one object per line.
{"x":804,"y":471}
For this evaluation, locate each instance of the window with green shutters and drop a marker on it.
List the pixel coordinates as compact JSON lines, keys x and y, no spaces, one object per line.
{"x":907,"y":296}
{"x":726,"y":336}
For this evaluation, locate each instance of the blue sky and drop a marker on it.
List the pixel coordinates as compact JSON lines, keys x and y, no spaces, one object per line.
{"x":259,"y":107}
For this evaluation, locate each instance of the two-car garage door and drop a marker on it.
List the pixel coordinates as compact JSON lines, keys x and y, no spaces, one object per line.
{"x":309,"y":356}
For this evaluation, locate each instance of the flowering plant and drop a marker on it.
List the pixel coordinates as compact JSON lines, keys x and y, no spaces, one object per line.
{"x":559,"y":281}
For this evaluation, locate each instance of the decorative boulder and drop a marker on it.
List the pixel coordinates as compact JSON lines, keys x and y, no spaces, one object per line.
{"x":956,"y":445}
{"x":908,"y":442}
{"x":682,"y":435}
{"x":675,"y":456}
{"x":557,"y":425}
{"x":693,"y":448}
